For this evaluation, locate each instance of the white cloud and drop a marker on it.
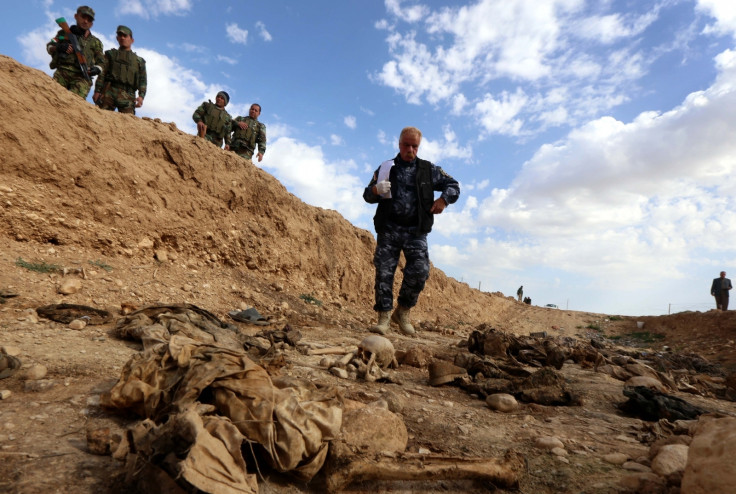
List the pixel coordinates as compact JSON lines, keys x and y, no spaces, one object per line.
{"x":336,"y":140}
{"x":459,"y":102}
{"x":438,"y":150}
{"x":174,"y":91}
{"x":262,"y":32}
{"x":483,"y":184}
{"x":236,"y":35}
{"x":316,"y":181}
{"x":227,"y":60}
{"x":530,"y":50}
{"x":413,"y":13}
{"x":34,"y":47}
{"x":382,"y":138}
{"x":350,"y":122}
{"x":609,"y":28}
{"x":619,"y":202}
{"x":154,"y":8}
{"x":188,"y":47}
{"x":724,"y":11}
{"x":500,"y":115}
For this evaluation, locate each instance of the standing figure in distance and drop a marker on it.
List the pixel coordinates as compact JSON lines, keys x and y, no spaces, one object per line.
{"x":68,"y":72}
{"x":124,"y":74}
{"x":520,"y":292}
{"x":213,"y":122}
{"x":403,"y":188}
{"x":247,"y":133}
{"x":719,"y":289}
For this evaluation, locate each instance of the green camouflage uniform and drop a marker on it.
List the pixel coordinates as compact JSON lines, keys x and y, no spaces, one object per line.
{"x":244,"y":141}
{"x":217,"y":120}
{"x":68,"y":73}
{"x":124,"y":74}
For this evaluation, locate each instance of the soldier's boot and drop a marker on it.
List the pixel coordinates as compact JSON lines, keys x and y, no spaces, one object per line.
{"x":401,"y":317}
{"x":384,"y":321}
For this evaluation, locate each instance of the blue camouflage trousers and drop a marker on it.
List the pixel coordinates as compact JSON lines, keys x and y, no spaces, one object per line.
{"x":391,"y":243}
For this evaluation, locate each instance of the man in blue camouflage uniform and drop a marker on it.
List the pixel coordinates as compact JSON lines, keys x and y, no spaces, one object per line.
{"x":213,"y":122}
{"x":248,"y":133}
{"x":404,"y":189}
{"x":68,"y":72}
{"x":124,"y":74}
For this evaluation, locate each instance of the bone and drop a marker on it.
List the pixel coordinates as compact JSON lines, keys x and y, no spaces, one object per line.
{"x":346,"y":359}
{"x":333,"y":350}
{"x":345,"y":468}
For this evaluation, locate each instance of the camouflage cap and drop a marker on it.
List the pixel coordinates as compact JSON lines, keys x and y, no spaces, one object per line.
{"x":86,"y":10}
{"x":124,"y":30}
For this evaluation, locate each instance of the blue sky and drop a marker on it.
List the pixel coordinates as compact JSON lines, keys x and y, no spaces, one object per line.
{"x":595,"y":141}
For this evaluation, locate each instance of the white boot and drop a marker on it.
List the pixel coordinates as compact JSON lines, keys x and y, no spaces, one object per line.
{"x":401,"y":317}
{"x":383,"y":323}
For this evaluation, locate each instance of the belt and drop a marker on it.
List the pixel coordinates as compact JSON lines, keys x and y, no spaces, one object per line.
{"x":121,"y":85}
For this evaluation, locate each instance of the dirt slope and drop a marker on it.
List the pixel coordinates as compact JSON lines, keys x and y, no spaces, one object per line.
{"x":141,"y":213}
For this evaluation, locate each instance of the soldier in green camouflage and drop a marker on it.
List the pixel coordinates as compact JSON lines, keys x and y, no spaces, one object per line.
{"x":68,"y":73}
{"x":249,"y":132}
{"x":213,"y":122}
{"x":124,"y":74}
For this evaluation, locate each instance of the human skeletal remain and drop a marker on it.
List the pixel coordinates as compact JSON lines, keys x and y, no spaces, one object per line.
{"x":375,"y":349}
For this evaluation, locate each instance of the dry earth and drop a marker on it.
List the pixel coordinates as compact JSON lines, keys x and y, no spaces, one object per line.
{"x":142,"y":213}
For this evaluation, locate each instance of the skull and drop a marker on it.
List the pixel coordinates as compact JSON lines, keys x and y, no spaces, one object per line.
{"x":375,"y":348}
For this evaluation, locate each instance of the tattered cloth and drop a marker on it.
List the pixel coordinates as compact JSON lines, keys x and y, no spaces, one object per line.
{"x":176,"y":373}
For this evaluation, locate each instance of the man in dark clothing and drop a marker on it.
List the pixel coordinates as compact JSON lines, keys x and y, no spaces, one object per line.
{"x":403,"y":188}
{"x":719,"y":289}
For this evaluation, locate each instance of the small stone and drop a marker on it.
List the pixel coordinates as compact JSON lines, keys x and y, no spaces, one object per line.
{"x":635,"y":467}
{"x":642,"y":482}
{"x":548,"y":442}
{"x":559,"y":452}
{"x":615,"y":458}
{"x":35,"y":372}
{"x":78,"y":324}
{"x":37,"y":386}
{"x":161,"y":255}
{"x":502,"y":402}
{"x":70,"y":286}
{"x":5,"y":394}
{"x":646,"y":381}
{"x":395,"y":402}
{"x":671,"y":458}
{"x":145,"y":243}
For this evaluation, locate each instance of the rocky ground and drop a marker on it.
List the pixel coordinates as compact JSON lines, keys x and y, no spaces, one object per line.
{"x":162,"y":217}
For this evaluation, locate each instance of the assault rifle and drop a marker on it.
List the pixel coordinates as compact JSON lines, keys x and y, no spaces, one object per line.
{"x":77,"y":49}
